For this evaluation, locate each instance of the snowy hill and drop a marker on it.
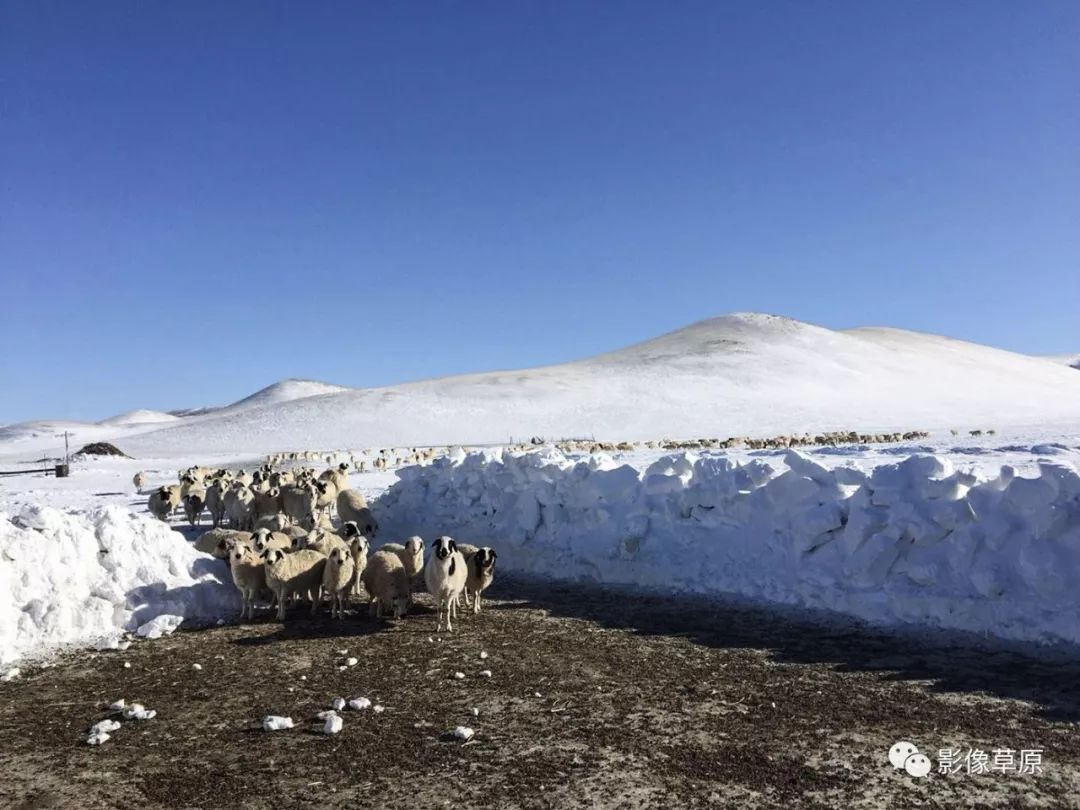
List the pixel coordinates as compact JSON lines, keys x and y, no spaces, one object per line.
{"x":741,"y":374}
{"x":285,"y":391}
{"x":139,"y":417}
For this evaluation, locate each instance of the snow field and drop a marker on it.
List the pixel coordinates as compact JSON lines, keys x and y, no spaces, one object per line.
{"x":913,"y":541}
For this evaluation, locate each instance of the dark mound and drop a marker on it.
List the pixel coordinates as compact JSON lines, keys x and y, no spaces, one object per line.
{"x":101,"y":449}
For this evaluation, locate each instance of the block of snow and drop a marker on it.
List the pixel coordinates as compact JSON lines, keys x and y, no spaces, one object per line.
{"x":273,"y":722}
{"x":159,"y":626}
{"x":463,"y":733}
{"x":104,"y":727}
{"x":338,"y":703}
{"x":333,"y":724}
{"x":358,"y":704}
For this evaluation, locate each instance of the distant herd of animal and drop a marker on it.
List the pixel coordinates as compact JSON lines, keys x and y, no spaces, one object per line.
{"x":283,"y":543}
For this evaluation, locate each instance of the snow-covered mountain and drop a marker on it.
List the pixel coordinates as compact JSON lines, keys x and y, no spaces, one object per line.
{"x":740,"y":374}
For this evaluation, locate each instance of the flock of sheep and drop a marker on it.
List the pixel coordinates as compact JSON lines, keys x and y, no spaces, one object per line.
{"x":283,"y":542}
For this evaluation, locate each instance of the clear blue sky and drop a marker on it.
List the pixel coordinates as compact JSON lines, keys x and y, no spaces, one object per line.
{"x":197,"y":199}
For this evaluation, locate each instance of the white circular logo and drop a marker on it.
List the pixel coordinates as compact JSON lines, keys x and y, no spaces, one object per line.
{"x":901,"y":751}
{"x":917,"y":764}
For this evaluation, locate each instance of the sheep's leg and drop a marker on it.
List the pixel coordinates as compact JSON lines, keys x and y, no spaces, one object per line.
{"x":281,"y":607}
{"x":476,"y":602}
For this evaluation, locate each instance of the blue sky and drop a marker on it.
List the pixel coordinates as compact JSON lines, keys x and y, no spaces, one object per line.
{"x":197,"y":199}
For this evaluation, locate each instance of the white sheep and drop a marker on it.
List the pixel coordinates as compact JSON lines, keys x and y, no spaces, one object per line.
{"x":249,"y":576}
{"x":481,"y":568}
{"x":445,"y":576}
{"x":300,"y":572}
{"x":194,"y":503}
{"x":411,"y":554}
{"x":238,"y":506}
{"x":220,"y":542}
{"x":338,"y":577}
{"x":352,"y":505}
{"x":275,"y":523}
{"x":267,"y":502}
{"x":163,"y":501}
{"x":139,"y":481}
{"x":298,"y":501}
{"x":215,"y":500}
{"x":386,"y":581}
{"x":359,"y":547}
{"x":264,"y":539}
{"x":325,"y":495}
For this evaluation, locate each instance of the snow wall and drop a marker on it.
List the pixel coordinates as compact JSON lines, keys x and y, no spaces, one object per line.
{"x":909,"y":542}
{"x":85,"y":578}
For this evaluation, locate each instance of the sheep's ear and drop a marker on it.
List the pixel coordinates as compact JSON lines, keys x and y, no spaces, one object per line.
{"x":435,"y":543}
{"x":453,"y":546}
{"x":493,"y":554}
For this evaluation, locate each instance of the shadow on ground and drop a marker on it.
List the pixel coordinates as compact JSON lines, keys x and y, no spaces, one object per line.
{"x":950,"y":663}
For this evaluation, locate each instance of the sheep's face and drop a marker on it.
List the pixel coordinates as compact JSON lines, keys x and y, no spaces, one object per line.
{"x":262,"y":540}
{"x":340,"y":555}
{"x":444,"y":546}
{"x":485,"y":558}
{"x":401,"y":606}
{"x":359,"y":546}
{"x":298,"y":543}
{"x":273,"y":555}
{"x":344,"y":468}
{"x":350,"y":530}
{"x":415,"y":547}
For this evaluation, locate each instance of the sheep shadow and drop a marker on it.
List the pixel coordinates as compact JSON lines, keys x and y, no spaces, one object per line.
{"x":950,"y":662}
{"x":300,"y":625}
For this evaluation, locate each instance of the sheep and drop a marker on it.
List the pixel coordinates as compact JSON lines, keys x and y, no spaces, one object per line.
{"x":325,"y":495}
{"x":194,"y":503}
{"x":215,"y":500}
{"x":324,"y":542}
{"x":300,"y":572}
{"x":163,"y":501}
{"x":385,"y":579}
{"x":249,"y":576}
{"x":238,"y":504}
{"x":340,"y":476}
{"x":445,"y":575}
{"x":275,"y":523}
{"x":263,"y":539}
{"x":139,"y":481}
{"x":219,"y":542}
{"x":298,"y":501}
{"x":351,"y":505}
{"x":267,"y":502}
{"x":411,"y":554}
{"x":359,"y":547}
{"x":338,"y":578}
{"x":481,"y":568}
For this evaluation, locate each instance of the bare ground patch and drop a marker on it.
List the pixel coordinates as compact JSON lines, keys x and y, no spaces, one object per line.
{"x":596,"y":699}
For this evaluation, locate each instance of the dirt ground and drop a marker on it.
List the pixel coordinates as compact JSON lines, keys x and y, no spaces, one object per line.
{"x":596,"y":699}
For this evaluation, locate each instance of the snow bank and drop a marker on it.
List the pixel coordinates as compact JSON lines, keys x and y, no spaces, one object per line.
{"x":907,"y":542}
{"x":84,"y":578}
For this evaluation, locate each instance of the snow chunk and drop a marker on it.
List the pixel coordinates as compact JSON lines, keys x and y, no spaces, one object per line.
{"x":273,"y":722}
{"x":86,"y":577}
